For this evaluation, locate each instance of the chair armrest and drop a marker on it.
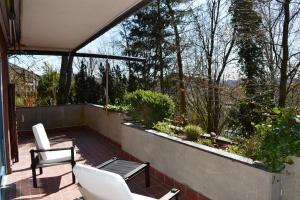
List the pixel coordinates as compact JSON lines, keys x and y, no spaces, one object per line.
{"x":34,"y":160}
{"x":63,"y":140}
{"x":53,"y":149}
{"x":173,"y":193}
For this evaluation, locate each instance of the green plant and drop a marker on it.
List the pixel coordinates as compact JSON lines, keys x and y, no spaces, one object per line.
{"x":118,"y":108}
{"x":280,"y":139}
{"x":247,"y":147}
{"x":19,"y":101}
{"x":47,"y":88}
{"x":207,"y":142}
{"x":86,"y":88}
{"x":150,"y":107}
{"x":164,"y":127}
{"x":193,"y":132}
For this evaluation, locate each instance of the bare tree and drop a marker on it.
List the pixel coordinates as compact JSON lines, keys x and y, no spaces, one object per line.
{"x":215,"y":53}
{"x":179,"y":57}
{"x":281,"y":22}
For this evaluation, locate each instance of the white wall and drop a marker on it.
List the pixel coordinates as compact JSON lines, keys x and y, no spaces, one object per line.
{"x":51,"y":116}
{"x":103,"y":122}
{"x":216,"y":177}
{"x":93,"y":116}
{"x":291,"y":180}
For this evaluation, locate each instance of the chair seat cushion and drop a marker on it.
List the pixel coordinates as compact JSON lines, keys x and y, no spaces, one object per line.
{"x":57,"y":156}
{"x":141,"y":197}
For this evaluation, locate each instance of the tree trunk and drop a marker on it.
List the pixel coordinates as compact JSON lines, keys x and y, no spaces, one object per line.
{"x":159,"y":48}
{"x":210,"y":93}
{"x":179,"y":59}
{"x":69,"y":78}
{"x":161,"y":69}
{"x":285,"y":55}
{"x":65,"y":78}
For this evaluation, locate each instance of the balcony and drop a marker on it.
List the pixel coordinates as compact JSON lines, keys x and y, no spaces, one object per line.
{"x":200,"y":172}
{"x":56,"y":181}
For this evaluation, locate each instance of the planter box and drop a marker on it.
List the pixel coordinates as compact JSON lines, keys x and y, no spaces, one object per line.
{"x":214,"y":173}
{"x":103,"y":122}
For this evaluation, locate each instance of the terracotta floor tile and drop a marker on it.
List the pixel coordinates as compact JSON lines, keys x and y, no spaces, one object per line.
{"x":56,"y":181}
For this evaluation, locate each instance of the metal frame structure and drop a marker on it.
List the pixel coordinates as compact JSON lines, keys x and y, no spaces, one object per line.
{"x":10,"y":36}
{"x":83,"y":55}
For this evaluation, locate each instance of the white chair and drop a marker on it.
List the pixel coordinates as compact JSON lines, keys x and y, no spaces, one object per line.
{"x":96,"y":184}
{"x":45,"y":156}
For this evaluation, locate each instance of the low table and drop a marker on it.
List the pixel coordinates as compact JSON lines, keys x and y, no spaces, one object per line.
{"x":127,"y":169}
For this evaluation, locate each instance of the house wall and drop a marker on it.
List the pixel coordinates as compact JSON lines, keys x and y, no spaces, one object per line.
{"x":210,"y":172}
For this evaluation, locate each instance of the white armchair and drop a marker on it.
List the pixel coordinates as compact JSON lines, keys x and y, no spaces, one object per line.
{"x":96,"y":184}
{"x":45,"y":156}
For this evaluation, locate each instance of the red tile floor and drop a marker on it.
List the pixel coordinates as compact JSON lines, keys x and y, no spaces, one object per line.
{"x":56,"y":181}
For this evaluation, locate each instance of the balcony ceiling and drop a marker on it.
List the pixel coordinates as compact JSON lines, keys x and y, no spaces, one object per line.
{"x":68,"y":25}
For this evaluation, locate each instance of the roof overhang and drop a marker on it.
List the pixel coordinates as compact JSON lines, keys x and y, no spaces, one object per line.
{"x":61,"y":25}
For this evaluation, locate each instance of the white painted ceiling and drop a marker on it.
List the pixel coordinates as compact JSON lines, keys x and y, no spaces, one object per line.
{"x":62,"y":25}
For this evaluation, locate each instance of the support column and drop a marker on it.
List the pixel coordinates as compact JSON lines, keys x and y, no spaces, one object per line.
{"x":4,"y":84}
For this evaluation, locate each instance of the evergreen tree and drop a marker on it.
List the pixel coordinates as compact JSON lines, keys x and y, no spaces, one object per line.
{"x":247,"y":23}
{"x":249,"y":38}
{"x":48,"y":86}
{"x":80,"y":85}
{"x":117,"y":85}
{"x":146,"y":35}
{"x":87,"y":90}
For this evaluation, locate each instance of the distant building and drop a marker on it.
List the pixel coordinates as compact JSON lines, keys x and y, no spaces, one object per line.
{"x":26,"y":82}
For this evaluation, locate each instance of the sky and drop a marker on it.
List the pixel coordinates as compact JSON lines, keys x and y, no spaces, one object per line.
{"x":104,"y":45}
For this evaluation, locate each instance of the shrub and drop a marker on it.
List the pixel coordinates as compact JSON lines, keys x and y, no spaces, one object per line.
{"x":118,"y":108}
{"x":193,"y":132}
{"x":207,"y":142}
{"x":247,"y":147}
{"x":276,"y":140}
{"x":150,"y":107}
{"x":280,"y":139}
{"x":164,"y":127}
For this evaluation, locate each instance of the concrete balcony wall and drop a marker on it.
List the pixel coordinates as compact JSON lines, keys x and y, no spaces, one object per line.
{"x":51,"y":116}
{"x":103,"y":122}
{"x":291,"y":181}
{"x":213,"y":173}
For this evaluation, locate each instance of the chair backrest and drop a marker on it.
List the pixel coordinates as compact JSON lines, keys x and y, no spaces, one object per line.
{"x":41,"y":138}
{"x":101,"y":184}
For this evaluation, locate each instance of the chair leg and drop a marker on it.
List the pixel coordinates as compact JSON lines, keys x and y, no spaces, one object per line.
{"x":33,"y":168}
{"x":34,"y":176}
{"x":147,"y":175}
{"x":73,"y":164}
{"x":73,"y":178}
{"x":41,"y":170}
